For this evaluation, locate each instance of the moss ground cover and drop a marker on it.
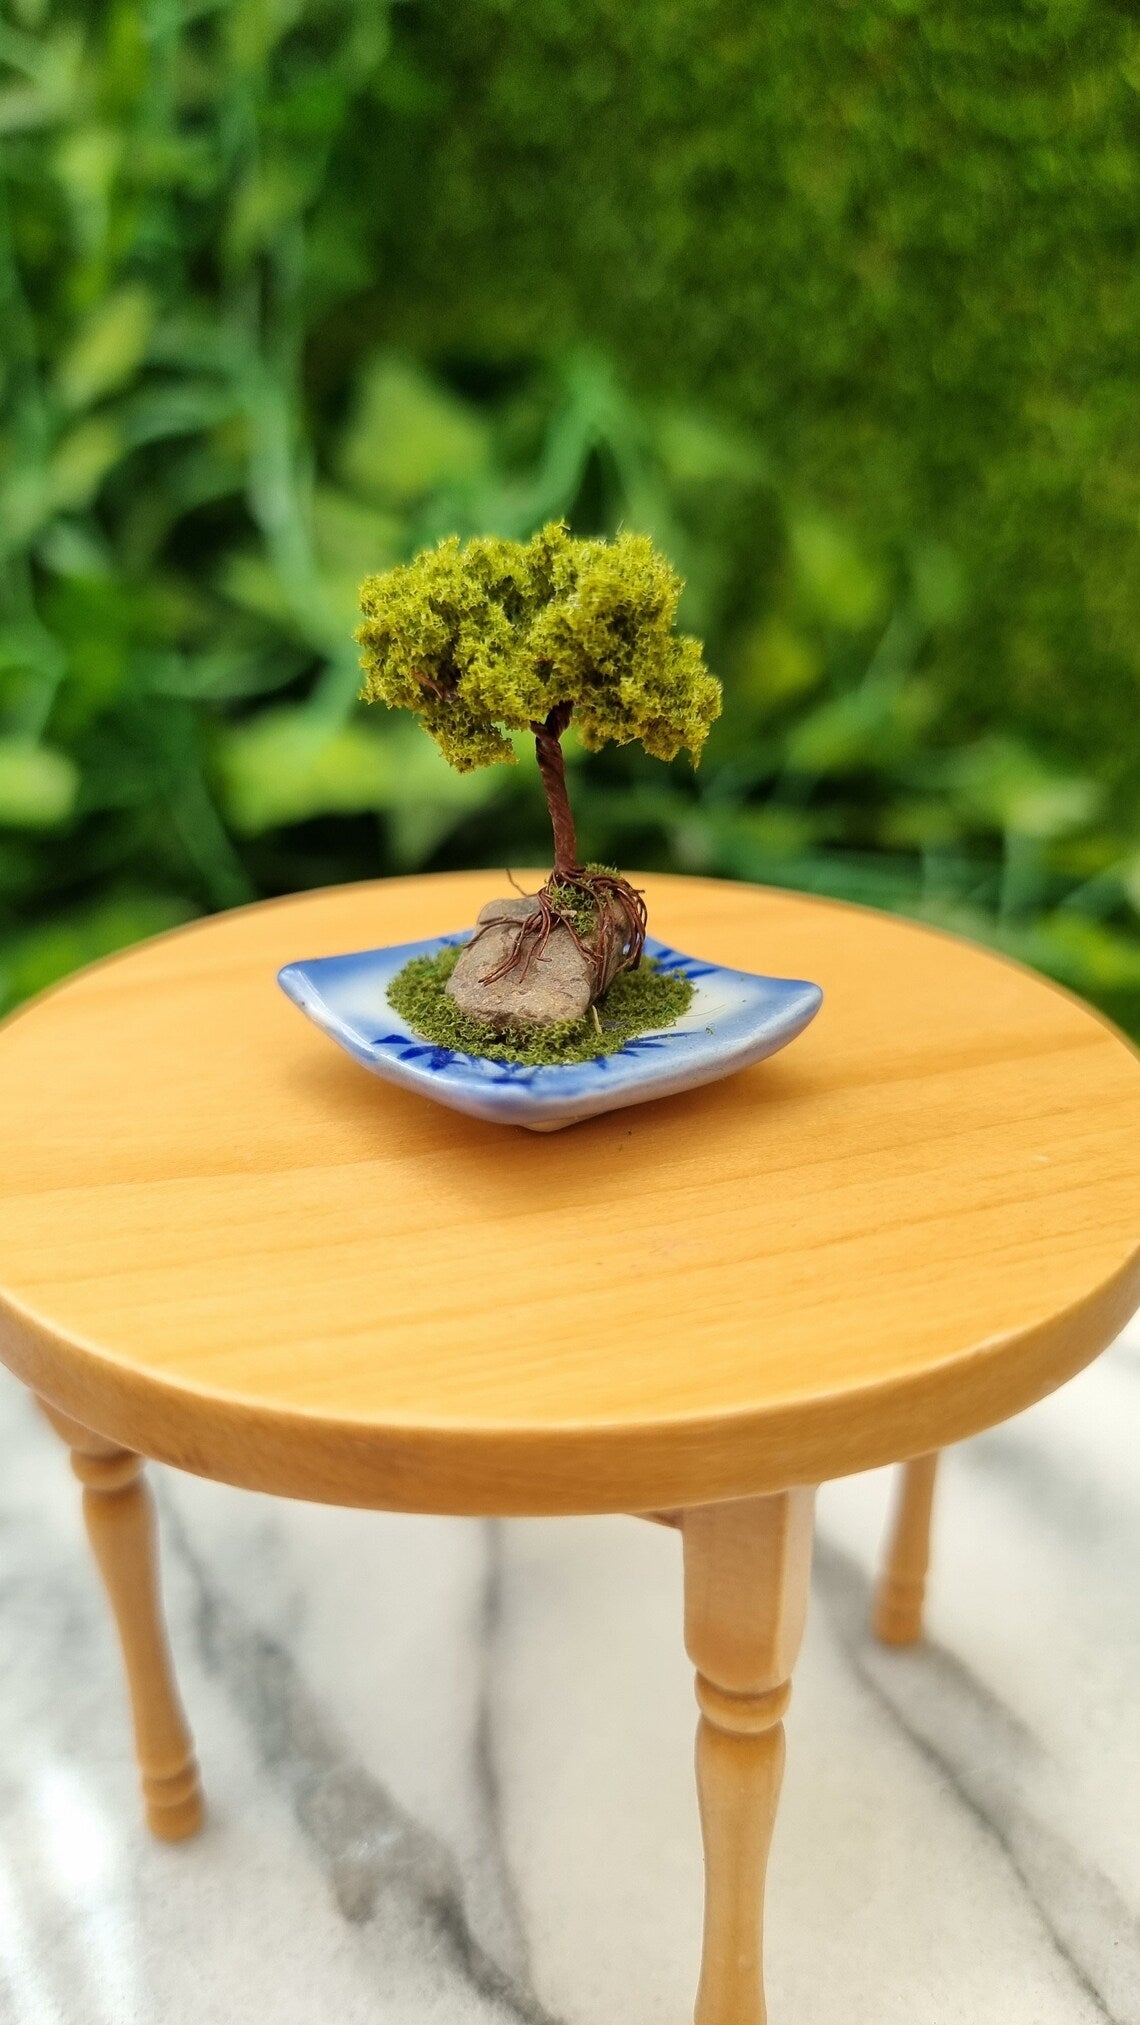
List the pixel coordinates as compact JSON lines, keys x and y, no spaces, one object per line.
{"x":640,"y":1001}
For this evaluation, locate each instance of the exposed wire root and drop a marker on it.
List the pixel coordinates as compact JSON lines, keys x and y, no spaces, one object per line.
{"x":620,"y":923}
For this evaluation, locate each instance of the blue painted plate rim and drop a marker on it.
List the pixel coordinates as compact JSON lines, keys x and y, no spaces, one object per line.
{"x":540,"y":1080}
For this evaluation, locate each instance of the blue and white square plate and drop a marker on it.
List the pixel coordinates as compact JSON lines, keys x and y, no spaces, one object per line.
{"x":735,"y":1019}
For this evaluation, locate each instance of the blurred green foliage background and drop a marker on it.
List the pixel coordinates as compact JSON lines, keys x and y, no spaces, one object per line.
{"x":842,"y":305}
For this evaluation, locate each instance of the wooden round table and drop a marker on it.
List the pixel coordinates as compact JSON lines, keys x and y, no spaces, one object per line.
{"x":225,"y":1246}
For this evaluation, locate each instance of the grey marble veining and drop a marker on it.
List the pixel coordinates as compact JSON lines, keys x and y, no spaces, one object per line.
{"x":450,"y":1764}
{"x":387,"y":1872}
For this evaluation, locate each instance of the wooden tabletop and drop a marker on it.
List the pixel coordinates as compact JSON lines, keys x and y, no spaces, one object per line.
{"x":225,"y":1244}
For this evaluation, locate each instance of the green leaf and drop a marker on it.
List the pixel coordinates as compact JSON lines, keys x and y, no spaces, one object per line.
{"x":870,"y":727}
{"x":271,"y":195}
{"x":1007,"y":784}
{"x":836,"y":582}
{"x":81,"y":461}
{"x":929,"y":824}
{"x":109,"y":347}
{"x":775,"y":663}
{"x":38,"y":785}
{"x":71,"y":548}
{"x":698,"y":451}
{"x":409,"y":435}
{"x":937,"y":584}
{"x":285,"y":765}
{"x":352,"y":541}
{"x":428,"y":798}
{"x":176,"y":408}
{"x":1088,"y":955}
{"x":251,"y":582}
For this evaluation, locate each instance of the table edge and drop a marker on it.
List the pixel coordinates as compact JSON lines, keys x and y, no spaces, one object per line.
{"x":524,"y":1471}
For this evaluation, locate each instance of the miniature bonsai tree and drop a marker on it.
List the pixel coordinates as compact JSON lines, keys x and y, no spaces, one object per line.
{"x":503,"y":636}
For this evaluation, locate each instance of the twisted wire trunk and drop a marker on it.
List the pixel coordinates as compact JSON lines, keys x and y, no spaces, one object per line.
{"x":552,"y":767}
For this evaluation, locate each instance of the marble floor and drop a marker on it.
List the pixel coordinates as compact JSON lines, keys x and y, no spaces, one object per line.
{"x":449,"y":1763}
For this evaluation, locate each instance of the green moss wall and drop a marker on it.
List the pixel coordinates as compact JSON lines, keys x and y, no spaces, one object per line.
{"x":898,"y":240}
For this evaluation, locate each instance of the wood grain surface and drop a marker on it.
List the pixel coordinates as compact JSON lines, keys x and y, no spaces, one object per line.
{"x":224,"y":1244}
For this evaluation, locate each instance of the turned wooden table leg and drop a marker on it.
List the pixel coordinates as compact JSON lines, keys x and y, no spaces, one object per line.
{"x":119,"y":1511}
{"x":747,"y":1570}
{"x":902,"y":1585}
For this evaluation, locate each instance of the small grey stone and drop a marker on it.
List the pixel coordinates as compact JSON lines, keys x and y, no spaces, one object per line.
{"x":558,"y":985}
{"x":561,"y":984}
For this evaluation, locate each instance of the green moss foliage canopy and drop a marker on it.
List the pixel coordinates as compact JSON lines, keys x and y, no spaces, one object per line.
{"x":490,"y":638}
